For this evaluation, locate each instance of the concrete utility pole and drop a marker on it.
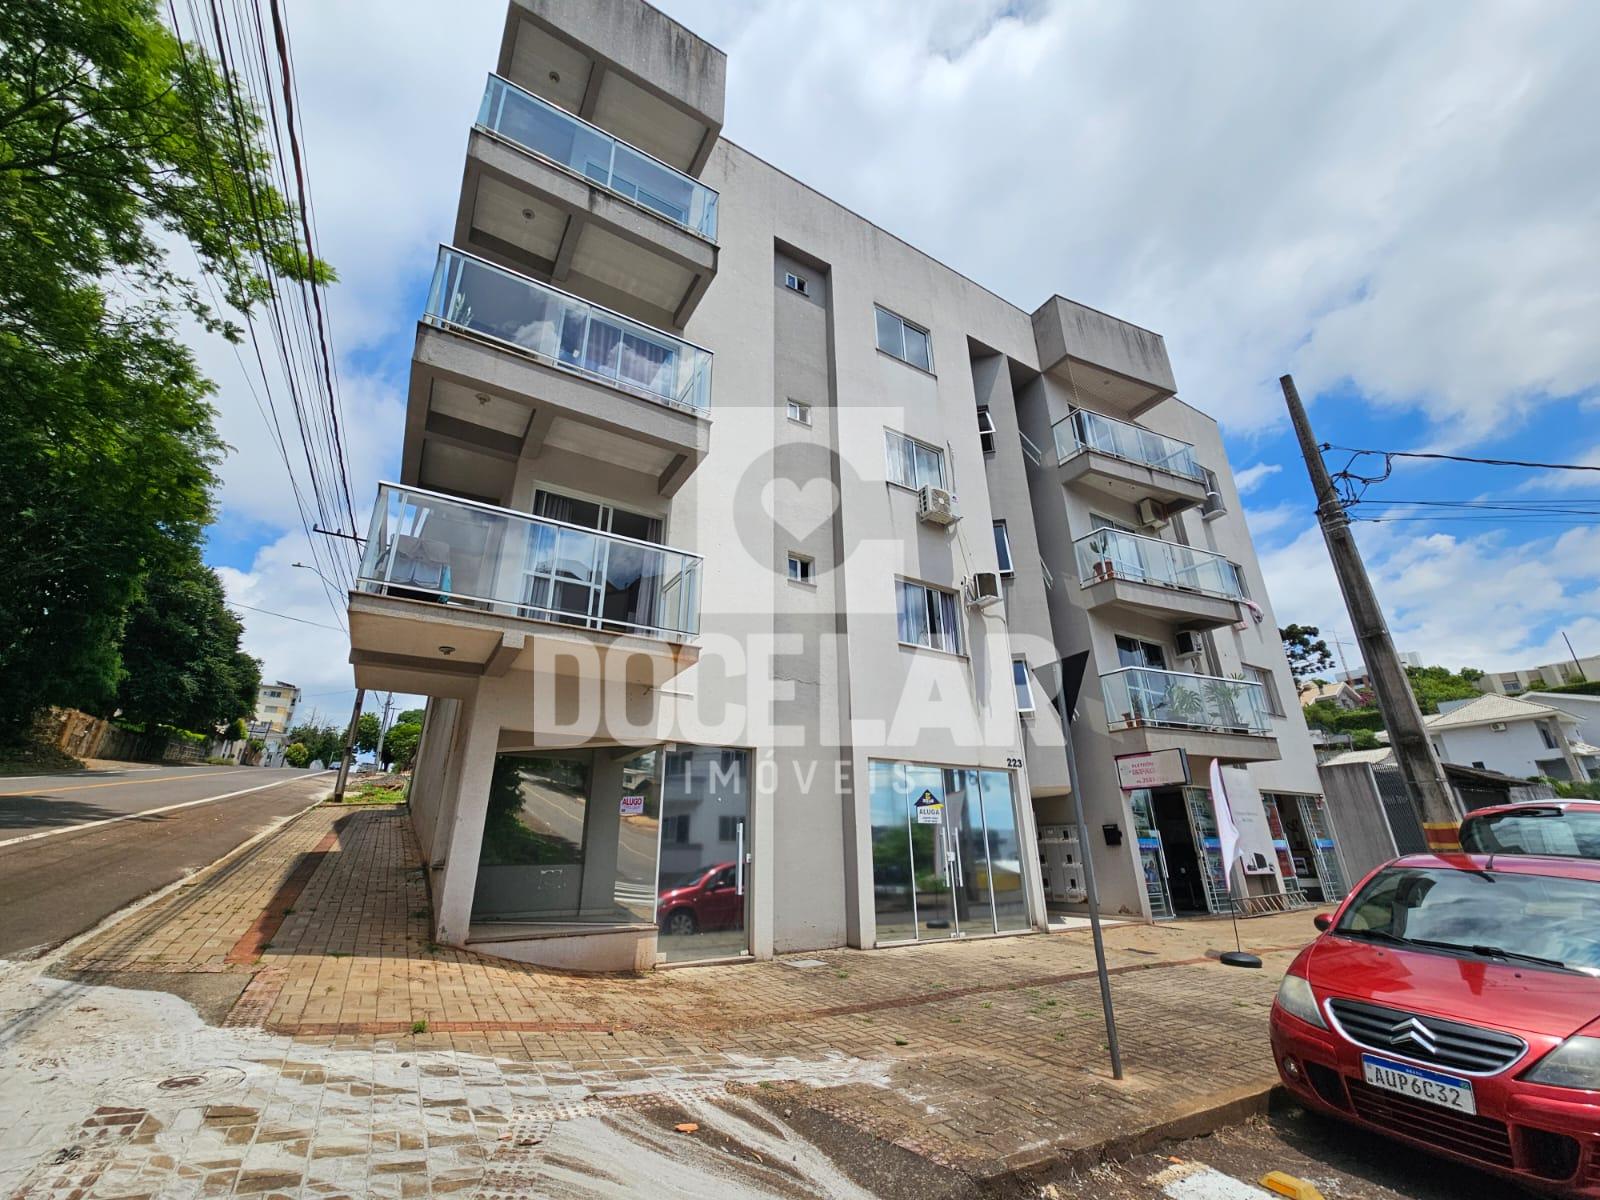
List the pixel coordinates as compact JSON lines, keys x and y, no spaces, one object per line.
{"x":349,"y":748}
{"x":383,"y":726}
{"x":1419,"y":765}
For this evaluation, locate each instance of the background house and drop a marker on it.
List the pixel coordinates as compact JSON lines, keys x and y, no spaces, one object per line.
{"x":1514,"y":736}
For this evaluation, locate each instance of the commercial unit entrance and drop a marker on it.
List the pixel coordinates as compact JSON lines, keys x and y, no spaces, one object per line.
{"x":946,"y":857}
{"x":1179,"y":851}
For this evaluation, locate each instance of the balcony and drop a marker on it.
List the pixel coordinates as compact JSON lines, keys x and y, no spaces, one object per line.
{"x":450,"y":591}
{"x":624,"y":65}
{"x":1127,"y":462}
{"x":1120,"y":367}
{"x":548,"y":193}
{"x":1147,"y":576}
{"x":505,"y":366}
{"x":1208,"y":716}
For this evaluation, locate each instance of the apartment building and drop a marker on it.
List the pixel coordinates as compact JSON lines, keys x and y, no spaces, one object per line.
{"x":1532,"y":679}
{"x":274,"y":715}
{"x":739,"y":546}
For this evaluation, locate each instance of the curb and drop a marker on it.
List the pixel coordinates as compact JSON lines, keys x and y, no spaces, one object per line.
{"x":1203,"y":1117}
{"x":50,"y":957}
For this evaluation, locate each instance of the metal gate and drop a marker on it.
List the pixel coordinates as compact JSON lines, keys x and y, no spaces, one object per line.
{"x":1314,"y":817}
{"x":1401,"y":813}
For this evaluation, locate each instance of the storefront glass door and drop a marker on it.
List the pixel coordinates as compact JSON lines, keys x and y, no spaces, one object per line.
{"x":703,"y":889}
{"x":945,"y":853}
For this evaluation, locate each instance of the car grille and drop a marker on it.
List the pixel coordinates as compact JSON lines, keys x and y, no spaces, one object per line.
{"x":1427,"y":1039}
{"x":1480,"y":1138}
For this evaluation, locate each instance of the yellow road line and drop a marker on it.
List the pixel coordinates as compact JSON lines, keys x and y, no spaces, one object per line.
{"x":78,"y":787}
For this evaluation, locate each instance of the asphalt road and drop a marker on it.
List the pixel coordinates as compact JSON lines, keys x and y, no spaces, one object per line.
{"x":104,"y":844}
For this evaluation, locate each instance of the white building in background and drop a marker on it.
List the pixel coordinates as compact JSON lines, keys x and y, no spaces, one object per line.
{"x":739,"y":546}
{"x":1515,"y":736}
{"x":1533,"y":679}
{"x":274,"y":716}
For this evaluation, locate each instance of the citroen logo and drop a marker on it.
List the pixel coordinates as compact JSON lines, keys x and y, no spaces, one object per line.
{"x":1414,"y":1031}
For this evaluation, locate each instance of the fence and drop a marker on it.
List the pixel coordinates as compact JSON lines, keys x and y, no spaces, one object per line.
{"x":85,"y":736}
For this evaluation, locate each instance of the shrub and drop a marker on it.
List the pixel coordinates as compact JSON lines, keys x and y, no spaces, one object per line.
{"x":296,"y":755}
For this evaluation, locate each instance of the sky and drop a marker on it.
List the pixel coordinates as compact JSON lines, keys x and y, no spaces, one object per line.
{"x":1397,"y":203}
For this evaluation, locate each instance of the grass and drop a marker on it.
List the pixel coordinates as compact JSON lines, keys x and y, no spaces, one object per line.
{"x":338,"y":954}
{"x":419,"y":1027}
{"x":379,"y":791}
{"x":36,"y":758}
{"x":901,"y":1042}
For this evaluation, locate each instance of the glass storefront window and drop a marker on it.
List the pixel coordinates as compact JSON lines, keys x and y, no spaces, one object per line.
{"x":946,"y":855}
{"x":703,"y":885}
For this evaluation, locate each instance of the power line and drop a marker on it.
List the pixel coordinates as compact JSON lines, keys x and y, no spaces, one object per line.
{"x":286,"y":617}
{"x":1490,"y":462}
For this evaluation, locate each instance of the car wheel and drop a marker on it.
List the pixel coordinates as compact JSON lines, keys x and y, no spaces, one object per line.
{"x":681,"y":923}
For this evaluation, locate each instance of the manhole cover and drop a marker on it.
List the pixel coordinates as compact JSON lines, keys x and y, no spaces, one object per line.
{"x":201,"y":1083}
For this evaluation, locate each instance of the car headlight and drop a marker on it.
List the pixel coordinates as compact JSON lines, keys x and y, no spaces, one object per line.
{"x":1296,"y":998}
{"x":1573,"y":1064}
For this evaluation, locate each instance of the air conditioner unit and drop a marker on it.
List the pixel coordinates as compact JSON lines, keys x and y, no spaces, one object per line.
{"x":983,"y":589}
{"x":936,"y":506}
{"x":1497,"y":726}
{"x":1152,"y":513}
{"x":1188,"y":643}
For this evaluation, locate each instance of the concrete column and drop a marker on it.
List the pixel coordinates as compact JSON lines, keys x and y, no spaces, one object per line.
{"x":602,"y":820}
{"x":464,"y":833}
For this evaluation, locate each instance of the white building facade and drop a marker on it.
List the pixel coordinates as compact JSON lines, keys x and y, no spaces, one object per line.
{"x":739,"y":546}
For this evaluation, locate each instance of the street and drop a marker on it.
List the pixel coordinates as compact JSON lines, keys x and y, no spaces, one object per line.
{"x":76,"y":848}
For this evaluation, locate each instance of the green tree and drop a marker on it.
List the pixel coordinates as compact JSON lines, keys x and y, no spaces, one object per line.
{"x":296,"y":755}
{"x":181,"y":661}
{"x":1308,"y":654}
{"x":116,"y":140}
{"x":411,"y":716}
{"x":367,"y":733}
{"x":400,"y":747}
{"x":324,"y":742}
{"x":1433,"y":684}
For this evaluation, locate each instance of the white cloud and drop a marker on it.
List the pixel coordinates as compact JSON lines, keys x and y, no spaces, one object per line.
{"x":1249,"y":479}
{"x":1458,"y":601}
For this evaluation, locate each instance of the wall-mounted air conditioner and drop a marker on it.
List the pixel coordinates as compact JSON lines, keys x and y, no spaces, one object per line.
{"x":1151,"y":512}
{"x":936,"y":506}
{"x":1188,"y":643}
{"x":983,"y":589}
{"x":1497,"y":726}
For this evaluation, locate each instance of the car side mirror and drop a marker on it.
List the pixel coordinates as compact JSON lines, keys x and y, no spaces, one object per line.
{"x":1323,"y":921}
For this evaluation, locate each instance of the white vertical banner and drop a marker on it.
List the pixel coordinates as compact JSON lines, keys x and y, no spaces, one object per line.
{"x":1227,"y":830}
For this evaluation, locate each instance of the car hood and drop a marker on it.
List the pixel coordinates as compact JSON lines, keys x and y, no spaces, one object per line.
{"x":1476,"y":991}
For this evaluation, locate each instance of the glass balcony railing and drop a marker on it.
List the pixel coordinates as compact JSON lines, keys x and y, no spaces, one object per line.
{"x":1137,"y":696}
{"x":1113,"y":554}
{"x":479,"y":297}
{"x":572,"y":142}
{"x":1084,"y":430}
{"x":424,"y":546}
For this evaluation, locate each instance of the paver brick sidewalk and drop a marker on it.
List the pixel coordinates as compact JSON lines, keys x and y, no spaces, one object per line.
{"x":984,"y":1056}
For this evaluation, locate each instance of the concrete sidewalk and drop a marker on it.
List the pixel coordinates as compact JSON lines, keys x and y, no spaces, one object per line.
{"x":927,"y":1070}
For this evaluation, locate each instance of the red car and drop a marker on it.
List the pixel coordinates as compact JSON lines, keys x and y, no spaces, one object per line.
{"x":711,"y":898}
{"x":1565,"y":828}
{"x":1453,"y":1002}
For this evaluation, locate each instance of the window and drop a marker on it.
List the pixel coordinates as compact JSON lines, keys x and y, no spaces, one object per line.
{"x":1131,"y":652}
{"x":800,"y":568}
{"x":1269,"y":688}
{"x":929,"y":617}
{"x":1002,"y":547}
{"x":905,"y":341}
{"x":727,"y":829}
{"x":1238,"y":575}
{"x":911,"y":463}
{"x":985,"y":430}
{"x":796,"y":283}
{"x":1550,"y":742}
{"x":591,"y":514}
{"x":1023,"y":678}
{"x":675,"y":828}
{"x":799,"y":413}
{"x":1213,"y":505}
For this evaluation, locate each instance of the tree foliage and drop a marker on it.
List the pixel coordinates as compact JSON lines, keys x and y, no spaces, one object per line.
{"x":296,"y":755}
{"x":1308,"y":654}
{"x":322,"y":742}
{"x":367,"y":729}
{"x":1433,"y":684}
{"x":115,"y":140}
{"x":400,"y":747}
{"x":181,"y":660}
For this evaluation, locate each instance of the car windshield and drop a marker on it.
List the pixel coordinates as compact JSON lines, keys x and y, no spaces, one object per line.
{"x":1533,"y":831}
{"x":1534,"y":919}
